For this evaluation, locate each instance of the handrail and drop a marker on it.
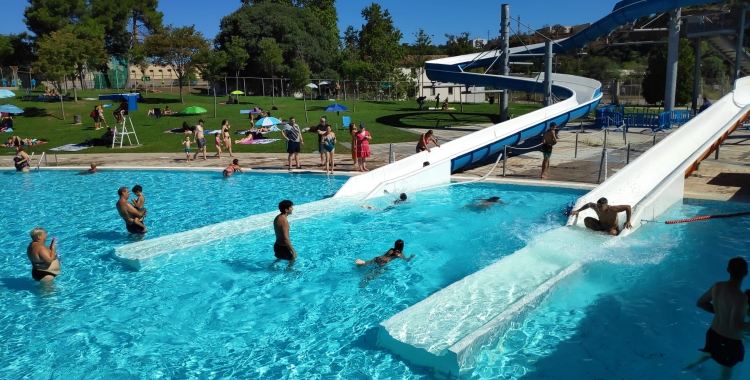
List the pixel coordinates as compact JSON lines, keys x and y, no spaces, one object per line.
{"x":42,"y":157}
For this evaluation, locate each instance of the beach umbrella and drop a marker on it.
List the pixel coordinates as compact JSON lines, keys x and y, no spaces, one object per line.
{"x":194,"y":110}
{"x":6,"y":94}
{"x":237,"y":92}
{"x":336,"y":108}
{"x":267,"y":121}
{"x":9,"y":108}
{"x":323,"y":83}
{"x":311,"y":85}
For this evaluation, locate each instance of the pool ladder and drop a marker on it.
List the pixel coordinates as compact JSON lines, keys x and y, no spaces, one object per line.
{"x":43,"y":158}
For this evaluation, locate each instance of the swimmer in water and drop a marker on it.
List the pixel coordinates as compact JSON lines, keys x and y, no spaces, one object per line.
{"x":394,"y":253}
{"x":484,"y":204}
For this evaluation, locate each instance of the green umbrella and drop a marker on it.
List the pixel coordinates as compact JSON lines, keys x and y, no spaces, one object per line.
{"x":193,"y":110}
{"x":237,"y":92}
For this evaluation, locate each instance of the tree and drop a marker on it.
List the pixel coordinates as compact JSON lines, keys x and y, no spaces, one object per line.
{"x":271,"y":60}
{"x":323,"y":10}
{"x":299,"y":77}
{"x":654,"y":81}
{"x":713,"y":67}
{"x":138,"y":56}
{"x":176,"y":47}
{"x":20,"y":52}
{"x":212,"y":64}
{"x":237,"y":57}
{"x":297,"y":31}
{"x":43,"y":17}
{"x":459,"y":45}
{"x":421,"y":47}
{"x":600,"y":68}
{"x":379,"y":42}
{"x":63,"y":53}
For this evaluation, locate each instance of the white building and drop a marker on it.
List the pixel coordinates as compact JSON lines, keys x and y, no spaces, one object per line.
{"x":431,"y":89}
{"x":479,"y":43}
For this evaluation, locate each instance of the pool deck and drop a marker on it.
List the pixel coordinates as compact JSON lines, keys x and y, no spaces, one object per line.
{"x":726,"y":178}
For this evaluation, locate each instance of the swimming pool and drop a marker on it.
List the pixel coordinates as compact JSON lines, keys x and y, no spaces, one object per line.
{"x":630,"y":312}
{"x":222,"y":310}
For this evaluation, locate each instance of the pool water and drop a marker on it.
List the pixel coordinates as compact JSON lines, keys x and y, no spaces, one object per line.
{"x":630,"y":312}
{"x":225,"y":309}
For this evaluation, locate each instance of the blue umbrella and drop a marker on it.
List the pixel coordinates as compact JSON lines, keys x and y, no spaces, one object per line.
{"x":6,"y":94}
{"x":336,"y":108}
{"x":267,"y":121}
{"x":9,"y":108}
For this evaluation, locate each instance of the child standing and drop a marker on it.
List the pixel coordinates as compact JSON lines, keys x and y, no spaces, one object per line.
{"x":138,"y":203}
{"x":186,"y":144}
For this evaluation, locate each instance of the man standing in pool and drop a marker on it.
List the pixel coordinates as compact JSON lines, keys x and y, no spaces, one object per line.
{"x":726,"y":301}
{"x":608,"y":221}
{"x":133,"y":217}
{"x":548,"y":140}
{"x":282,"y":248}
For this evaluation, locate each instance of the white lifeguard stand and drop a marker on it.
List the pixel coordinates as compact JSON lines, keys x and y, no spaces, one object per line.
{"x":122,"y":131}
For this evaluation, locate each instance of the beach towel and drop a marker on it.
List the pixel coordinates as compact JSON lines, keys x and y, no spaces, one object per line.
{"x":243,"y":132}
{"x":211,"y":131}
{"x":261,"y":141}
{"x":175,"y":130}
{"x":70,"y":148}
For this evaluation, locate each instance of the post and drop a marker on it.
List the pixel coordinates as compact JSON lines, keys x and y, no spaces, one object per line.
{"x":624,"y":134}
{"x":654,"y":143}
{"x":391,"y":154}
{"x":575,"y":155}
{"x":461,"y":97}
{"x":602,"y":166}
{"x":226,"y":86}
{"x":696,"y":74}
{"x":244,"y":88}
{"x":504,"y":47}
{"x":627,"y":156}
{"x":739,"y":49}
{"x":56,"y":164}
{"x":716,"y":153}
{"x":672,"y":58}
{"x":605,"y":138}
{"x":263,"y":84}
{"x":547,"y":73}
{"x":505,"y":158}
{"x":354,"y":99}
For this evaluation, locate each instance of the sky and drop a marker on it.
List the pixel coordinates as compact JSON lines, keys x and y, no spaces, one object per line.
{"x":436,"y":17}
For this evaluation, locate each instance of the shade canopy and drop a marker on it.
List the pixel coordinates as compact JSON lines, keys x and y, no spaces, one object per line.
{"x":9,"y":108}
{"x":194,"y":110}
{"x":6,"y":94}
{"x":336,"y":108}
{"x":267,"y":121}
{"x":237,"y":92}
{"x":312,"y":85}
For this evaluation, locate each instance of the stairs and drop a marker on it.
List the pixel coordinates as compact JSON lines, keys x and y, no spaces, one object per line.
{"x":726,"y":46}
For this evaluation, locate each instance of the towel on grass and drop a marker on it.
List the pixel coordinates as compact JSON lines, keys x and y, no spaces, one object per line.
{"x":70,"y":148}
{"x":261,"y":141}
{"x":211,"y":131}
{"x":175,"y":130}
{"x":243,"y":132}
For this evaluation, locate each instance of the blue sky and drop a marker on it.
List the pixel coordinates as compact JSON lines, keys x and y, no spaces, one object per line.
{"x":436,"y":17}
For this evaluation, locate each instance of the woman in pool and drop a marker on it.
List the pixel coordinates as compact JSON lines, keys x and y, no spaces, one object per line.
{"x":226,"y":137}
{"x":394,"y":253}
{"x":217,"y":144}
{"x":233,"y":167}
{"x":21,"y":160}
{"x":329,"y":146}
{"x":44,"y":263}
{"x":363,"y":147}
{"x":353,"y":133}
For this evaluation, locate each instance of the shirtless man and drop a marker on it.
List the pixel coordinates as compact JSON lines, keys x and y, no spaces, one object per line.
{"x":93,"y":169}
{"x":393,"y":253}
{"x":484,"y":204}
{"x":200,"y":139}
{"x":44,"y":263}
{"x":132,"y":217}
{"x":608,"y":221}
{"x":548,"y":140}
{"x":726,"y":301}
{"x":282,"y":248}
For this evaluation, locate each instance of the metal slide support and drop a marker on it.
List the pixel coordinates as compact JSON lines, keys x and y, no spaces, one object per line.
{"x":716,"y":154}
{"x":696,"y":74}
{"x":739,"y":49}
{"x":504,"y":47}
{"x":505,"y":158}
{"x":575,"y":155}
{"x":627,"y":156}
{"x":390,"y":154}
{"x":547,"y":73}
{"x":672,"y":58}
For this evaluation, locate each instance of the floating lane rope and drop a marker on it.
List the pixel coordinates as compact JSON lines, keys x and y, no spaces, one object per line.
{"x":706,"y":217}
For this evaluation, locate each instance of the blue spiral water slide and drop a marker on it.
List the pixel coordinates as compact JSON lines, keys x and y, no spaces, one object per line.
{"x":447,"y":330}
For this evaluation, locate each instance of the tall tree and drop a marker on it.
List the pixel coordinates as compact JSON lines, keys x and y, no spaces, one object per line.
{"x":271,"y":60}
{"x":459,"y":45}
{"x":655,"y":81}
{"x":212,"y":64}
{"x":43,"y":17}
{"x":379,"y":42}
{"x":299,"y":77}
{"x":237,"y":57}
{"x":176,"y":47}
{"x":296,"y":30}
{"x":323,"y":10}
{"x":422,"y":46}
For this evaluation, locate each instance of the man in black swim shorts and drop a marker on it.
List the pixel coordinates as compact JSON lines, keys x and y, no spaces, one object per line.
{"x":729,"y":305}
{"x":282,"y":248}
{"x":548,"y":140}
{"x":133,"y":217}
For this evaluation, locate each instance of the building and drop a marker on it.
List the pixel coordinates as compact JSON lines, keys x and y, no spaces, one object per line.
{"x":431,"y":89}
{"x":479,"y":43}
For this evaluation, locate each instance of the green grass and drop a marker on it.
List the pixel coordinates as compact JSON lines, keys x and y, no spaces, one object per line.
{"x":43,"y":120}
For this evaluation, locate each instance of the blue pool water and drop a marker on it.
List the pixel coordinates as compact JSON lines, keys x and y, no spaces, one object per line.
{"x":222,"y":310}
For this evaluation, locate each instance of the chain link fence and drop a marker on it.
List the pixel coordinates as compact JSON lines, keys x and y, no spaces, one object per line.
{"x":631,"y":90}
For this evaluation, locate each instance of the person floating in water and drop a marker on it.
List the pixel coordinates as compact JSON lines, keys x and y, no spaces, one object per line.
{"x":394,"y":253}
{"x":282,"y":248}
{"x":133,"y":217}
{"x":485,"y":204}
{"x":44,"y":262}
{"x":729,"y":305}
{"x":93,"y":169}
{"x":608,"y":221}
{"x":401,"y":199}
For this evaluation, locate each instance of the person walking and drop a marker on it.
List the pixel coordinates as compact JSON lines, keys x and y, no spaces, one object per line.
{"x":363,"y":147}
{"x":226,"y":137}
{"x":217,"y":144}
{"x":548,"y":140}
{"x":353,"y":133}
{"x":282,"y":248}
{"x":100,"y":109}
{"x":437,"y":102}
{"x":293,"y":136}
{"x":200,"y":139}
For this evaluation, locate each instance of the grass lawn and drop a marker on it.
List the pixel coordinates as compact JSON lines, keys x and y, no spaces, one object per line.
{"x":43,"y":120}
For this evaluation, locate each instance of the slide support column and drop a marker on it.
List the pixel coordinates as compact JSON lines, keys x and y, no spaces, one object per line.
{"x":504,"y":45}
{"x":696,"y":74}
{"x":672,"y":58}
{"x":548,"y":73}
{"x":738,"y":48}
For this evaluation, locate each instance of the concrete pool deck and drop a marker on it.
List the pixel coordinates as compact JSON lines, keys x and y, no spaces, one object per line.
{"x":726,"y":178}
